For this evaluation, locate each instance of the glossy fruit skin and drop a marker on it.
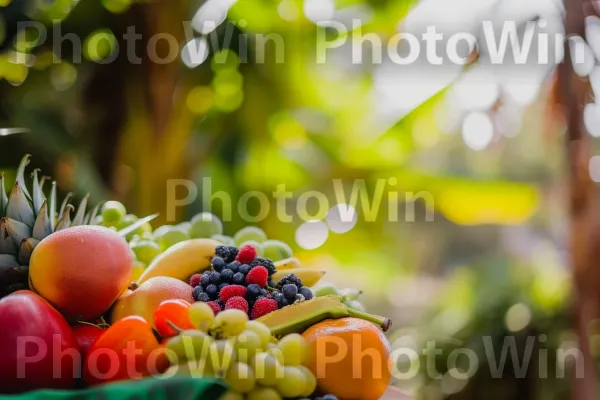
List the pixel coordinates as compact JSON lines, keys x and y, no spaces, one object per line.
{"x":86,"y":335}
{"x":144,"y":300}
{"x":81,"y":270}
{"x":22,"y":314}
{"x":131,"y":331}
{"x":175,"y":311}
{"x":347,"y":379}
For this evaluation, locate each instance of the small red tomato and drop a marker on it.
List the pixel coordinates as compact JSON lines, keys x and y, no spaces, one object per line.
{"x":86,"y":335}
{"x":174,"y":312}
{"x":127,"y":350}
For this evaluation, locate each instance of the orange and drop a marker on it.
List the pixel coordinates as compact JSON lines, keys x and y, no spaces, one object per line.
{"x":351,"y":358}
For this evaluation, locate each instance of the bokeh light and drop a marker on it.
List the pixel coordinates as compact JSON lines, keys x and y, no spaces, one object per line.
{"x":200,"y":99}
{"x":99,"y":45}
{"x":195,"y":52}
{"x":341,"y":218}
{"x":517,"y":317}
{"x":319,"y":10}
{"x":311,"y":234}
{"x":477,"y":131}
{"x":594,"y":167}
{"x":63,"y":76}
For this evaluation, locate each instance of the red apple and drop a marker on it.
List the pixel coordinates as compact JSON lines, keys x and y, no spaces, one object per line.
{"x":86,"y":335}
{"x":37,"y":347}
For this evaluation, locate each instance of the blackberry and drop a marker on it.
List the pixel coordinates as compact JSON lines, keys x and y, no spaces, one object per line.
{"x":329,"y":397}
{"x":289,"y":279}
{"x":244,"y":269}
{"x":238,"y":278}
{"x":299,"y":297}
{"x":226,"y":275}
{"x":289,"y":291}
{"x":220,"y":303}
{"x":215,"y":277}
{"x":222,"y":285}
{"x":265,"y":262}
{"x":218,"y":264}
{"x":234,"y":266}
{"x":253,"y":291}
{"x":222,"y":251}
{"x":197,"y":291}
{"x":271,"y":283}
{"x":205,"y":280}
{"x":212,"y":291}
{"x":263,"y":292}
{"x":306,"y":292}
{"x":203,"y":297}
{"x":233,"y":252}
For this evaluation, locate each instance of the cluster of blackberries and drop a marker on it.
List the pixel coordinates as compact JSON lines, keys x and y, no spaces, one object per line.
{"x":291,"y":290}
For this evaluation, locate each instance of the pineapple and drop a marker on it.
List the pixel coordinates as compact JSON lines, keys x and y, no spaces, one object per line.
{"x":27,"y":218}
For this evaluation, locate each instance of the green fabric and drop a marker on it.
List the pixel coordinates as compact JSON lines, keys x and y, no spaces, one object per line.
{"x":148,"y":389}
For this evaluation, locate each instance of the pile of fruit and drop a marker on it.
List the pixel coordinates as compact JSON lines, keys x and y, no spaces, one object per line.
{"x":183,"y":300}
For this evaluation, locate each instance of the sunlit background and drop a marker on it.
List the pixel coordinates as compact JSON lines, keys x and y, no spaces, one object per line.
{"x":480,"y":149}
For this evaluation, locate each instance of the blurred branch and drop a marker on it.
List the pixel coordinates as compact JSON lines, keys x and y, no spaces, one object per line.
{"x":583,"y":216}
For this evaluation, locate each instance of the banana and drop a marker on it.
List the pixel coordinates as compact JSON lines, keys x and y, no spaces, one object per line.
{"x":298,"y":317}
{"x":309,"y":277}
{"x":182,"y":260}
{"x":288,"y":263}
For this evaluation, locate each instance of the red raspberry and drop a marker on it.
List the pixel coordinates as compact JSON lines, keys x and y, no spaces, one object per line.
{"x":230,"y":291}
{"x":237,"y":302}
{"x":195,"y":280}
{"x":246,"y":255}
{"x":215,"y":306}
{"x":263,"y":307}
{"x":258,"y":275}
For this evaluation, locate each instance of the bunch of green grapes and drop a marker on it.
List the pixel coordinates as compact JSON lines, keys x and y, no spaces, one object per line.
{"x":350,"y":296}
{"x":243,"y":353}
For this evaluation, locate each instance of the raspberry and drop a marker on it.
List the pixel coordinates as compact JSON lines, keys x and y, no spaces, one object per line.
{"x":289,"y":279}
{"x":246,"y":255}
{"x":258,"y":275}
{"x":263,"y":307}
{"x":265,"y":262}
{"x":195,"y":280}
{"x":231,"y":291}
{"x":215,"y":306}
{"x":237,"y":302}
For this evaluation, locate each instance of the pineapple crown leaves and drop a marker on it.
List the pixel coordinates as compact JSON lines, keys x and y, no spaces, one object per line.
{"x":28,"y":217}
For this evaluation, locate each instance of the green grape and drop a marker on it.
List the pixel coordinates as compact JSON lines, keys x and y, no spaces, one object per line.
{"x":137,"y":270}
{"x":276,"y":250}
{"x":275,"y":351}
{"x":172,"y":237}
{"x":184,"y":226}
{"x":263,"y":332}
{"x":325,"y":290}
{"x":230,"y":395}
{"x":201,"y":316}
{"x":293,"y":382}
{"x":229,"y":323}
{"x":188,"y":345}
{"x":204,"y":225}
{"x":355,"y":305}
{"x":161,"y":230}
{"x":350,"y":293}
{"x":246,"y":345}
{"x":311,"y":381}
{"x":240,"y":377}
{"x":145,"y":250}
{"x":263,"y":393}
{"x":255,"y":244}
{"x":267,"y":369}
{"x":224,"y":239}
{"x":113,"y":212}
{"x":249,"y":233}
{"x":294,"y":349}
{"x":221,"y":355}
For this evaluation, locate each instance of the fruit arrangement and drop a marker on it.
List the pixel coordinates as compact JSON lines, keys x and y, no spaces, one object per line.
{"x":127,"y":302}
